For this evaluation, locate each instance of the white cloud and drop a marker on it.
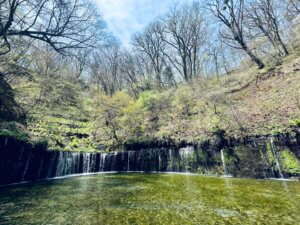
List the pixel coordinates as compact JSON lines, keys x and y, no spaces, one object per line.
{"x":125,"y":17}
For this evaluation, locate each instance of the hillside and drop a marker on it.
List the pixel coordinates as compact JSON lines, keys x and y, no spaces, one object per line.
{"x":68,"y":115}
{"x":149,"y":112}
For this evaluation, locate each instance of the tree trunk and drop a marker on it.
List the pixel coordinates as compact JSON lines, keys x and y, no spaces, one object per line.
{"x":185,"y":70}
{"x":282,"y":44}
{"x":254,"y":58}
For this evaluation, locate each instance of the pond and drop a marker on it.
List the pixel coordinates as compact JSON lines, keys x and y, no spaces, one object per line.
{"x":138,"y":198}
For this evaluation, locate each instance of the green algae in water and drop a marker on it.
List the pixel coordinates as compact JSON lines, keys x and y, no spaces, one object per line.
{"x":151,"y":199}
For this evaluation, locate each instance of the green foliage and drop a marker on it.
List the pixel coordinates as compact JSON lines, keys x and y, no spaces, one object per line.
{"x":61,"y":133}
{"x":70,"y":116}
{"x":276,"y":131}
{"x":148,"y":99}
{"x":58,"y":111}
{"x":270,"y":155}
{"x":74,"y":143}
{"x":109,"y":124}
{"x":290,"y":162}
{"x":13,"y":130}
{"x":185,"y":102}
{"x":295,"y":122}
{"x":215,"y":121}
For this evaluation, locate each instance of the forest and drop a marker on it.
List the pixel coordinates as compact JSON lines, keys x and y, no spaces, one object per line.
{"x":204,"y":68}
{"x":143,"y":112}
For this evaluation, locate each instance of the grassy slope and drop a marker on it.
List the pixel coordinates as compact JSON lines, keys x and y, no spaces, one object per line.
{"x":64,"y":122}
{"x":248,"y":102}
{"x":245,"y":103}
{"x":268,"y":101}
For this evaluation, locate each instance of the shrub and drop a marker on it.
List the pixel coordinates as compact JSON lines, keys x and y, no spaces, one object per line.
{"x":295,"y":122}
{"x":13,"y":130}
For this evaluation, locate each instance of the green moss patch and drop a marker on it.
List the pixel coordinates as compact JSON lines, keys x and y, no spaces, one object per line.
{"x":290,"y":162}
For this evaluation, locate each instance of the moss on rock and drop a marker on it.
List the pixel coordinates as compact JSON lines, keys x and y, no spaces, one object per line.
{"x":13,"y":130}
{"x":290,"y":162}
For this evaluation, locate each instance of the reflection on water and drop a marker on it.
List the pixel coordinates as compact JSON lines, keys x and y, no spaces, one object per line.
{"x":151,"y":199}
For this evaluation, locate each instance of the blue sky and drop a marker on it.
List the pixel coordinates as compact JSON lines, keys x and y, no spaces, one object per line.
{"x":125,"y":17}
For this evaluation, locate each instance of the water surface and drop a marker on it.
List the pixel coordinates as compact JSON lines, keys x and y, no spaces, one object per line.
{"x":151,"y":199}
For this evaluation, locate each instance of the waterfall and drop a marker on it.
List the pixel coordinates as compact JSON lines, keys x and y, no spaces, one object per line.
{"x":69,"y":164}
{"x":159,"y":162}
{"x":75,"y":162}
{"x":102,"y":161}
{"x":26,"y":163}
{"x":128,"y":161}
{"x":60,"y":165}
{"x":186,"y":152}
{"x":93,"y":163}
{"x":20,"y":157}
{"x":262,"y":155}
{"x":114,"y":162}
{"x":40,"y":168}
{"x":276,"y":158}
{"x":86,"y":163}
{"x":223,"y":162}
{"x":51,"y":164}
{"x":186,"y":157}
{"x":26,"y":167}
{"x":171,"y":161}
{"x":130,"y":156}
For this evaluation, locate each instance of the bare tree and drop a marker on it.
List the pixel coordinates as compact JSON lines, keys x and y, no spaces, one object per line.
{"x":79,"y":63}
{"x":169,"y":78}
{"x":263,"y":16}
{"x":63,"y":24}
{"x":105,"y":68}
{"x":231,"y":14}
{"x":151,"y":43}
{"x":185,"y":33}
{"x":292,"y":8}
{"x":215,"y":54}
{"x":129,"y":71}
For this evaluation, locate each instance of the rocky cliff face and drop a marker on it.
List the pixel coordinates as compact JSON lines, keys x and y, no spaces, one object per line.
{"x":264,"y":157}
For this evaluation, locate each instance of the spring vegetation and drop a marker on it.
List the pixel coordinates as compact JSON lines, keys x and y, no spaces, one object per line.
{"x":206,"y":67}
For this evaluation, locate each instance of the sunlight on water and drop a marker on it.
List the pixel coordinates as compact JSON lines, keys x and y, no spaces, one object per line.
{"x":139,"y":198}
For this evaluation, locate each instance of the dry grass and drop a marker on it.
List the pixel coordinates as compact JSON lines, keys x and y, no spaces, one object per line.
{"x":264,"y":101}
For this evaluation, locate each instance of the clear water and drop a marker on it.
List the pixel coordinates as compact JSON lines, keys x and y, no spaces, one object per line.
{"x":151,"y":199}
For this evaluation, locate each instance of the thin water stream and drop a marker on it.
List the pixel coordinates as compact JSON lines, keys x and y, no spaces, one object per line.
{"x":223,"y":162}
{"x":276,"y":158}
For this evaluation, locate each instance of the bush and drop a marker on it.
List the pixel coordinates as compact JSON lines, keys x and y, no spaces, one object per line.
{"x":13,"y":130}
{"x":295,"y":122}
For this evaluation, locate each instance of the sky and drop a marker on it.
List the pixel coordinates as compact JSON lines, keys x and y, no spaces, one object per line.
{"x":126,"y":17}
